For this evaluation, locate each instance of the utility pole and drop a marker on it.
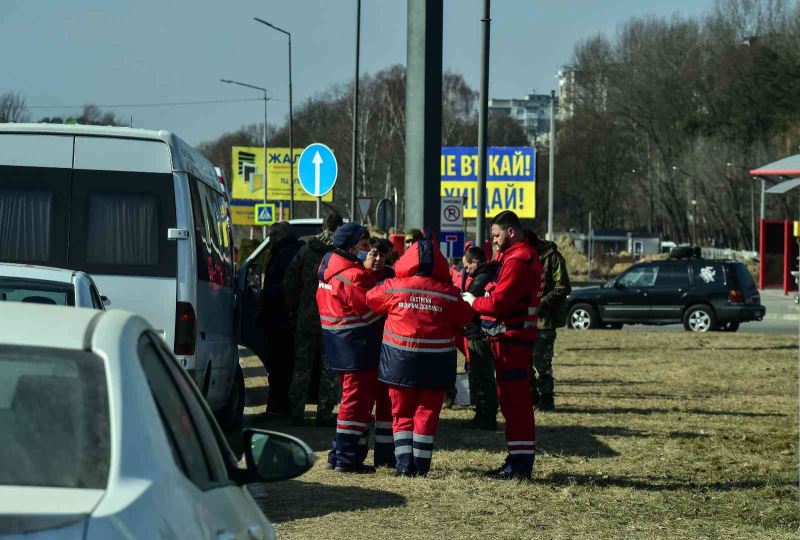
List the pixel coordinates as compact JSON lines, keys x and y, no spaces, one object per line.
{"x":355,"y":119}
{"x":552,"y":156}
{"x":483,"y":127}
{"x":423,"y":114}
{"x":266,"y":99}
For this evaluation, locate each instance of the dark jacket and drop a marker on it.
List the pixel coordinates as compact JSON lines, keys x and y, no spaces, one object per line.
{"x":476,"y":285}
{"x":276,"y":314}
{"x":553,"y":308}
{"x":301,"y":282}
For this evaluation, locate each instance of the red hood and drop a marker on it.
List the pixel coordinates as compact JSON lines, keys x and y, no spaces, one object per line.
{"x":423,"y":258}
{"x":335,"y":263}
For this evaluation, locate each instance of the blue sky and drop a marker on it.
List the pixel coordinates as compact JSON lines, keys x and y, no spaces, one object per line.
{"x":147,"y":51}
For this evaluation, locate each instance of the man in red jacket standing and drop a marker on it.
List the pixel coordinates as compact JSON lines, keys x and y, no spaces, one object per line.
{"x":508,"y":316}
{"x":351,"y":338}
{"x":418,"y":355}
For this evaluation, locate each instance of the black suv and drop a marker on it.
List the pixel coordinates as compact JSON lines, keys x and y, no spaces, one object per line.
{"x":702,"y":294}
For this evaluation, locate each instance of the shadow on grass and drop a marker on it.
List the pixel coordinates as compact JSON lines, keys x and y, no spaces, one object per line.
{"x":654,"y":410}
{"x":699,"y":347}
{"x":603,"y":382}
{"x":562,"y":440}
{"x":654,"y":484}
{"x":254,"y":371}
{"x":287,"y":501}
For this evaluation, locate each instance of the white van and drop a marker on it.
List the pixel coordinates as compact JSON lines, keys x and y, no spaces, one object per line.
{"x":143,"y":213}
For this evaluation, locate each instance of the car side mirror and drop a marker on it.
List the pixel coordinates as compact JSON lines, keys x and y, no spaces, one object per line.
{"x":106,"y":302}
{"x":272,"y":456}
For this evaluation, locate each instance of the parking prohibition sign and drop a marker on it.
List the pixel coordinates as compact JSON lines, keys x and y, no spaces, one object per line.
{"x":452,"y":214}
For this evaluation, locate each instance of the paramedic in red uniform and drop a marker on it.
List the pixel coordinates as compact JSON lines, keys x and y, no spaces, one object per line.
{"x":351,"y":338}
{"x":508,"y":317}
{"x":418,"y":355}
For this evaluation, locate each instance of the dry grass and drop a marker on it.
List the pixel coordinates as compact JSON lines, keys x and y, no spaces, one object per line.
{"x":658,"y":435}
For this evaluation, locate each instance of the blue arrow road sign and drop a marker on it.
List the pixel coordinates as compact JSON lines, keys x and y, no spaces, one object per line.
{"x":317,"y":169}
{"x":265,"y":214}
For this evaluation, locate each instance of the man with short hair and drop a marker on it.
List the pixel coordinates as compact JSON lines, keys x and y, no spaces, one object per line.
{"x":375,"y":260}
{"x":508,"y":317}
{"x":300,"y":291}
{"x":478,"y":273}
{"x":351,"y":337}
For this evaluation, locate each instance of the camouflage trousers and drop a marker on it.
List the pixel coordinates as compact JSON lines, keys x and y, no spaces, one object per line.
{"x":308,"y":352}
{"x":542,"y":372}
{"x":482,"y":384}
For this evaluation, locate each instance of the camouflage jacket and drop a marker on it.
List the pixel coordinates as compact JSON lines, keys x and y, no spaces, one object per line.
{"x":553,"y":308}
{"x":300,"y":283}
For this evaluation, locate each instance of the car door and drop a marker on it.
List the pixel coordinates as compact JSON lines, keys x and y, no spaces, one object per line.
{"x":668,"y":295}
{"x":627,"y":299}
{"x":199,"y":449}
{"x":249,"y":289}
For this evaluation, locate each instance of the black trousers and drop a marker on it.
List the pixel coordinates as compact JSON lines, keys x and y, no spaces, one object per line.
{"x":279,"y":366}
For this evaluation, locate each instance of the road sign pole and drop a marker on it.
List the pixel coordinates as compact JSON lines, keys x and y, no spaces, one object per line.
{"x":552,"y":175}
{"x":354,"y":166}
{"x":318,"y":205}
{"x":265,"y":155}
{"x":483,"y":128}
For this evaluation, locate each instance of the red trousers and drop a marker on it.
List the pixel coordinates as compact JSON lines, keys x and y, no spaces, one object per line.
{"x":512,"y":365}
{"x":415,"y":418}
{"x":361,"y":391}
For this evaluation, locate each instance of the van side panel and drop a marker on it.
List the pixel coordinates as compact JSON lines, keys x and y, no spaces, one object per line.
{"x":187,"y":265}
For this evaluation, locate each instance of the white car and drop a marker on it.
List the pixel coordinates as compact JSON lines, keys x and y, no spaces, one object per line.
{"x":103,"y":435}
{"x":44,"y":285}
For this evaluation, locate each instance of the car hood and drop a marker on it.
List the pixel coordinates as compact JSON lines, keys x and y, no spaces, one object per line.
{"x":33,"y":513}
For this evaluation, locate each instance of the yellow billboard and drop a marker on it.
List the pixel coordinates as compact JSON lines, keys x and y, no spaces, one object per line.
{"x":510,"y":183}
{"x":248,"y":175}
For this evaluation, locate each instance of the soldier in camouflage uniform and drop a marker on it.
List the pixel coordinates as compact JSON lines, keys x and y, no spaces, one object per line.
{"x":300,"y":288}
{"x":552,"y":315}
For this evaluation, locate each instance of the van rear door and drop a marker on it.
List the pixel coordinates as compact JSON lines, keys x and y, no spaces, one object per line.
{"x":35,"y":184}
{"x":122,"y":206}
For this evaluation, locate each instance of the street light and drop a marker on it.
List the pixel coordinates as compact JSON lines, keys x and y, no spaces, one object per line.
{"x":291,"y":120}
{"x":266,"y":98}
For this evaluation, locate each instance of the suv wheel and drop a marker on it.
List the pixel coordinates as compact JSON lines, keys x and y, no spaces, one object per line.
{"x":582,"y":317}
{"x":699,"y":319}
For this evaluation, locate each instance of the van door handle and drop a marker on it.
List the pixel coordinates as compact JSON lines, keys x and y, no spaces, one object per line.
{"x":202,"y":335}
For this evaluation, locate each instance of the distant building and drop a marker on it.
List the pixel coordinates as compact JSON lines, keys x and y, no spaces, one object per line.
{"x":531,"y":111}
{"x":566,"y":92}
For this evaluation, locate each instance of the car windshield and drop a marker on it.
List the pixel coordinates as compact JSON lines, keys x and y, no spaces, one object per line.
{"x":36,"y":291}
{"x":54,"y":422}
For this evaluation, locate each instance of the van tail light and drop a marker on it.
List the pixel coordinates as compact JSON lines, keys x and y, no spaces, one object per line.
{"x":185,"y":328}
{"x":735,"y":297}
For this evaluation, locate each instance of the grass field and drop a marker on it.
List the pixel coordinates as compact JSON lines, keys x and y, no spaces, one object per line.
{"x":658,"y":435}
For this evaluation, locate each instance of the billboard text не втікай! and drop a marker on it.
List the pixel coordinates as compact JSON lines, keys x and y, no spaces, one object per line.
{"x":510,"y":179}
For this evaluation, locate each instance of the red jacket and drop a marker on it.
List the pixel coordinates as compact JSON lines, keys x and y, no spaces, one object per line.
{"x":510,"y":308}
{"x":424,"y":314}
{"x":350,"y":331}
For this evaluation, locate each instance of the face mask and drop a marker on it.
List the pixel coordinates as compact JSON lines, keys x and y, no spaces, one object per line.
{"x":362,"y":256}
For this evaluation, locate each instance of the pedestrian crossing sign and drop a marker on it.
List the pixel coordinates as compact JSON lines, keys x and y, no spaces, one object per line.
{"x":265,"y":213}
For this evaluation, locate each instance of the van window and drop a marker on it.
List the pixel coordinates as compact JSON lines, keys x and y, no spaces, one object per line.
{"x":212,"y":234}
{"x":34,"y":205}
{"x":123,"y":229}
{"x":119,"y":223}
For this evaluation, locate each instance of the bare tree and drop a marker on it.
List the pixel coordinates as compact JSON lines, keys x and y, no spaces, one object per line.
{"x":13,"y":108}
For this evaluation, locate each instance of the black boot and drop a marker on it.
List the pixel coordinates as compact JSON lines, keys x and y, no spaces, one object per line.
{"x":515,"y":468}
{"x":546,"y":403}
{"x":355,"y":469}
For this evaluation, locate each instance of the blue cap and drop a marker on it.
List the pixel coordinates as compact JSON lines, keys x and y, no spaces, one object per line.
{"x":348,"y":235}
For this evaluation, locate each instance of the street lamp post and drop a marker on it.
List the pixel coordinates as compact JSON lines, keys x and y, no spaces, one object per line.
{"x":291,"y":121}
{"x":266,"y":98}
